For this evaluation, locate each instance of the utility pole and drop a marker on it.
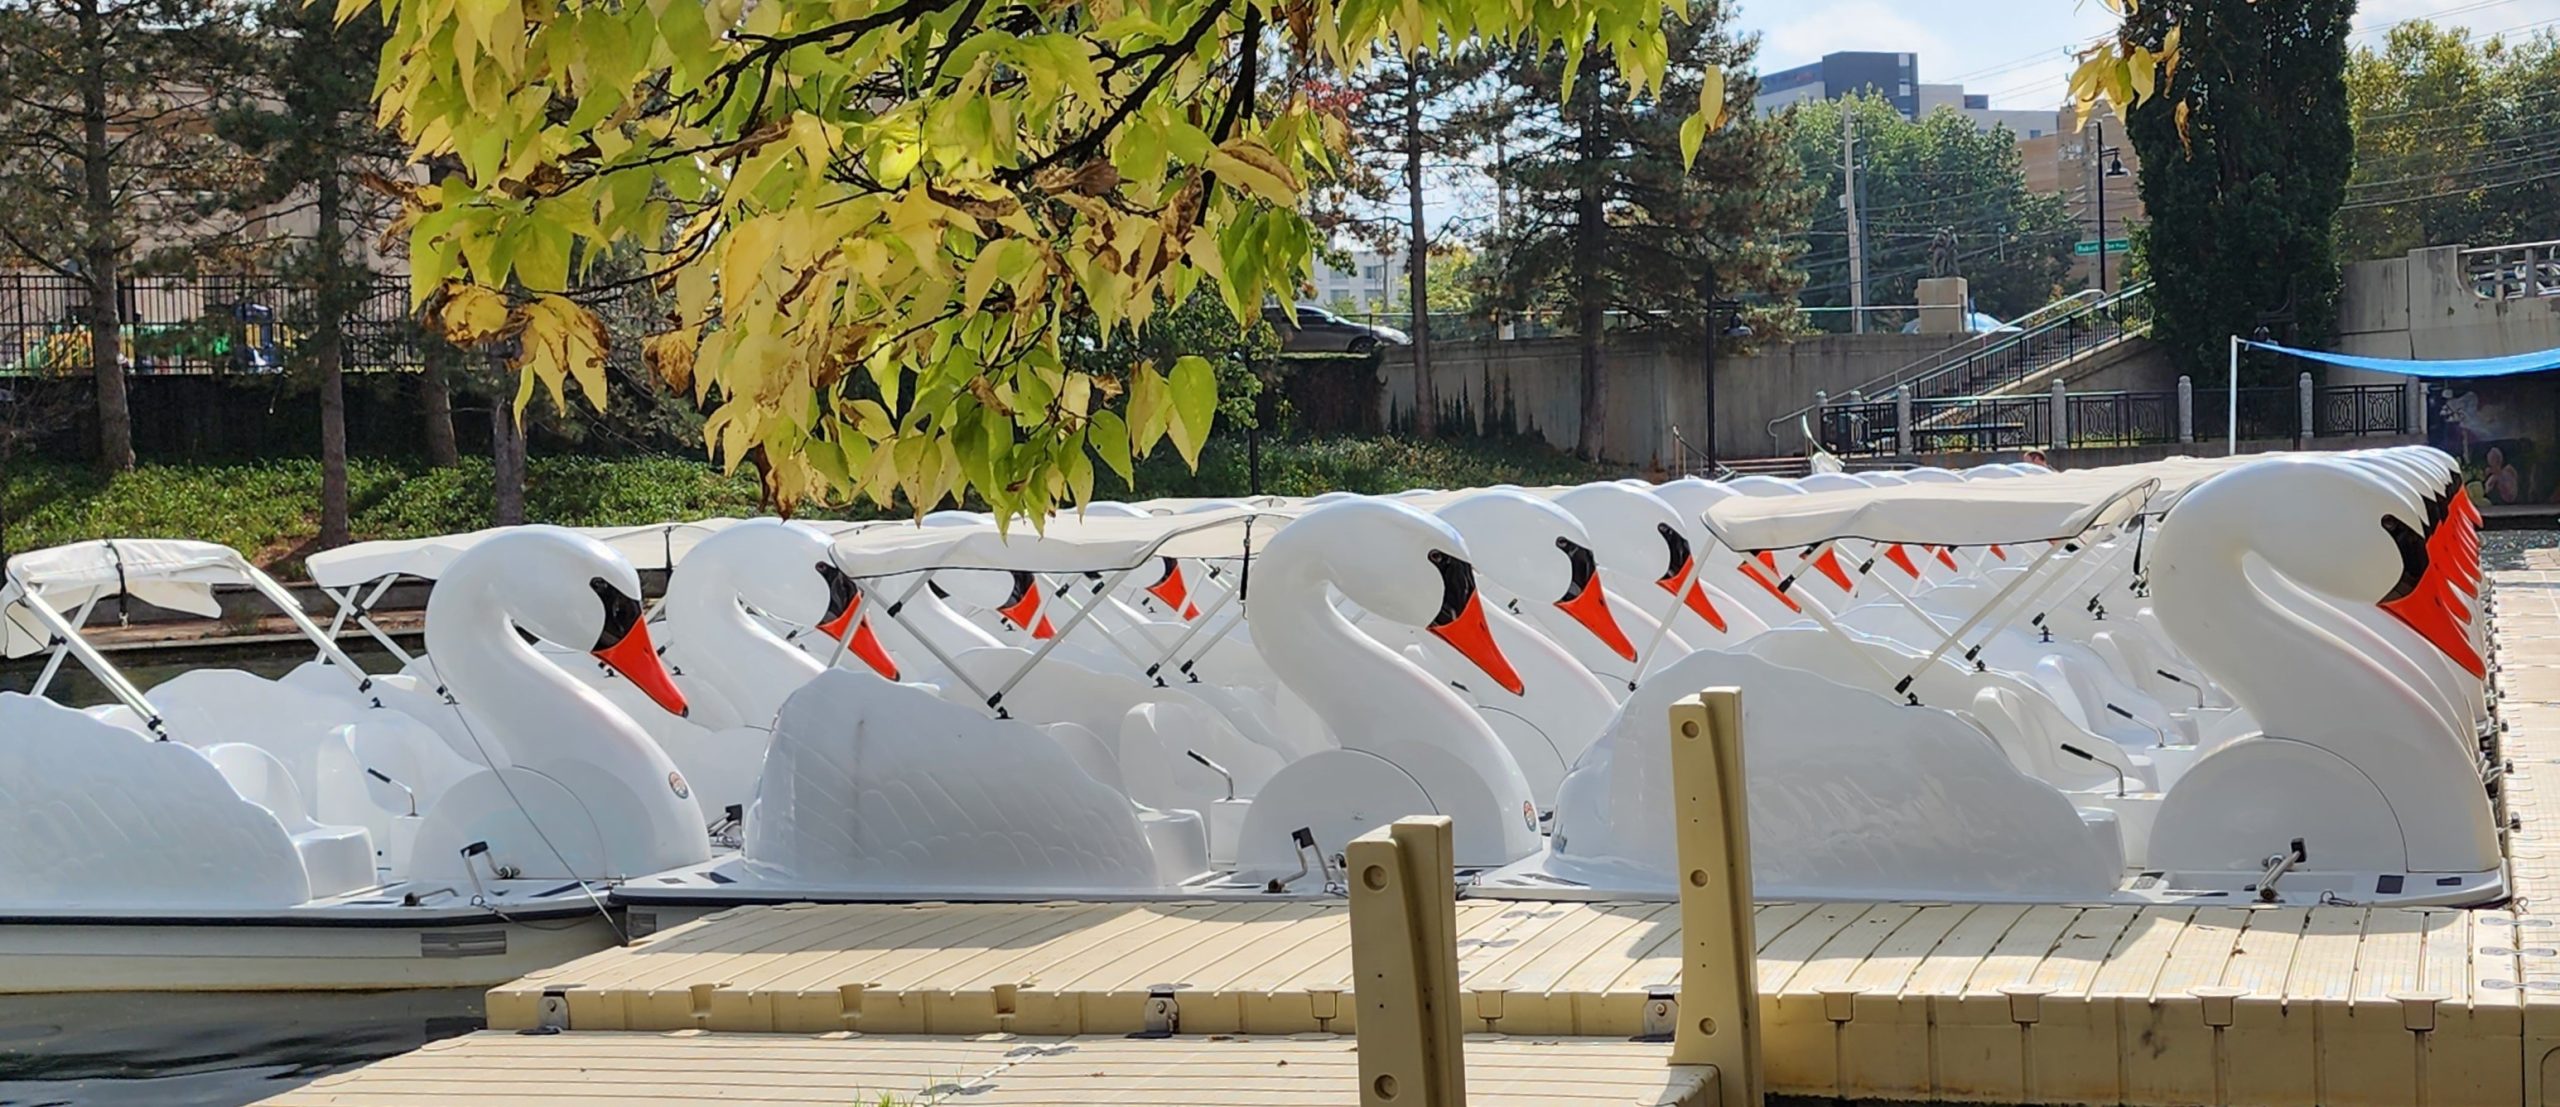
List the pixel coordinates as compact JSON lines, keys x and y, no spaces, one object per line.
{"x":1849,"y":205}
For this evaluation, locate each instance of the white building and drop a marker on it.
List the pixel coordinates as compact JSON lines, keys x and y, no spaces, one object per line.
{"x":1374,"y":282}
{"x":1896,"y":78}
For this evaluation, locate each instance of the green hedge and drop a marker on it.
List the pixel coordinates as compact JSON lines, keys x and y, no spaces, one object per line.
{"x":271,"y":509}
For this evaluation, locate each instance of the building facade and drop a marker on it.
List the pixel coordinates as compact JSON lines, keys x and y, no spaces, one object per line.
{"x":1896,"y":78}
{"x":1373,"y":282}
{"x":2078,"y":164}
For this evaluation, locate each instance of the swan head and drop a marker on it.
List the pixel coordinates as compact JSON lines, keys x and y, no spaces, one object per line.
{"x":1538,"y":550}
{"x":1014,"y":595}
{"x":1637,"y":536}
{"x":1403,"y":566}
{"x":1170,"y":587}
{"x":2342,"y":527}
{"x":566,"y":588}
{"x":789,"y":571}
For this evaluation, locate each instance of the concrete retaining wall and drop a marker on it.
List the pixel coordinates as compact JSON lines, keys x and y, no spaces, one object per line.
{"x":1534,"y":387}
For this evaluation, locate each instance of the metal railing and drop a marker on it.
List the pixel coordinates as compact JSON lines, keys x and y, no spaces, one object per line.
{"x":2026,"y":421}
{"x":2361,"y":409}
{"x":2517,"y":271}
{"x":2122,"y":418}
{"x":2265,"y":413}
{"x":197,"y":325}
{"x":2040,"y":339}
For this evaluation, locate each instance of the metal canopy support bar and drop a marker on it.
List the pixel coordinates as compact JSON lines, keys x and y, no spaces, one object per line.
{"x":1193,"y":631}
{"x":1060,"y":635}
{"x":266,"y":586}
{"x":53,"y":663}
{"x":67,"y":639}
{"x":1904,"y":685}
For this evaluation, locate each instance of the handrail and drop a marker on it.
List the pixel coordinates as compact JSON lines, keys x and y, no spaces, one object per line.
{"x":2515,"y":271}
{"x":2041,"y":321}
{"x":2014,"y":340}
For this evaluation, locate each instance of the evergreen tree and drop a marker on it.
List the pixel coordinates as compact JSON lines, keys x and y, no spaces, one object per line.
{"x":2245,"y":156}
{"x":105,"y":162}
{"x":1403,"y":116}
{"x":305,"y":113}
{"x":1916,"y":180}
{"x":1605,"y":221}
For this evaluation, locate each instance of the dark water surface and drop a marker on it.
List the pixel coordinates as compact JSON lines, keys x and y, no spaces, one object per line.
{"x":208,"y":1049}
{"x":146,"y":668}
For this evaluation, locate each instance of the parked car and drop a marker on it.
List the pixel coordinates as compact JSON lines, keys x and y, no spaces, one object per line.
{"x":1314,"y":330}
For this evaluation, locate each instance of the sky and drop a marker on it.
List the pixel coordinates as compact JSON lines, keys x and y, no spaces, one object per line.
{"x":2018,"y":50}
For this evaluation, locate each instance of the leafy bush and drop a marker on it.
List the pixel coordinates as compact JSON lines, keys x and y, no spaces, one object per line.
{"x":270,"y":509}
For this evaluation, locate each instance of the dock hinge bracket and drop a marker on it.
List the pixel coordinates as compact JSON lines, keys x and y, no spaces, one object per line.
{"x":1163,"y":1017}
{"x":1661,"y":1016}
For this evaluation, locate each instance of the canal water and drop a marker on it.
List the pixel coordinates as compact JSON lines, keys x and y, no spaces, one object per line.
{"x":207,"y":1050}
{"x":227,"y":1050}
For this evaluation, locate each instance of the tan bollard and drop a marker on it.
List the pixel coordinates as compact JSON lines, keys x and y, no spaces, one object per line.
{"x":1719,"y":1021}
{"x":1404,"y":964}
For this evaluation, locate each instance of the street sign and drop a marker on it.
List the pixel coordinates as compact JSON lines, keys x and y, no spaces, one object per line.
{"x":2114,"y":246}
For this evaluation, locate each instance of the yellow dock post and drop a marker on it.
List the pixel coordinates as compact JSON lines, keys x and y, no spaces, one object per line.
{"x":1404,"y":964}
{"x":1719,"y":1013}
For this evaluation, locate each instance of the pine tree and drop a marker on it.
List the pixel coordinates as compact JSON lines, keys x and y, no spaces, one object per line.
{"x":1605,"y":221}
{"x":1402,"y":116}
{"x":104,"y":158}
{"x":2245,"y":157}
{"x":306,"y":113}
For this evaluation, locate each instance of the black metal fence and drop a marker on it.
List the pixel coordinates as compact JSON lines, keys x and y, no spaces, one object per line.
{"x":2122,"y":418}
{"x":196,"y":325}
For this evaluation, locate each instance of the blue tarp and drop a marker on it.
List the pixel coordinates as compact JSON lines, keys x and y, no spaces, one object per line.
{"x":2541,"y":362}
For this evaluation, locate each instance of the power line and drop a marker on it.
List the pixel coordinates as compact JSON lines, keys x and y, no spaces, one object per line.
{"x":2484,"y":187}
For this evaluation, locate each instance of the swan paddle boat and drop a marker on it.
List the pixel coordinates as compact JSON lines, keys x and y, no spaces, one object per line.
{"x":225,"y":831}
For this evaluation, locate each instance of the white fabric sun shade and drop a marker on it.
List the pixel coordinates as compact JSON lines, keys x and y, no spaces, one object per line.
{"x":653,"y":546}
{"x":171,"y":573}
{"x":1091,"y":544}
{"x":1966,"y":513}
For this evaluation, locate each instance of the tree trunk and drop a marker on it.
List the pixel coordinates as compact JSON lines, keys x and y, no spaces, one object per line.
{"x":506,"y":448}
{"x":328,"y":352}
{"x":1590,"y":292}
{"x":1417,"y":259}
{"x":99,"y":254}
{"x":435,"y":396}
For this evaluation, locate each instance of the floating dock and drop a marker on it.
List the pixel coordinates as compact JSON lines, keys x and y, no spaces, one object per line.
{"x":691,"y":1067}
{"x":2333,"y":1005}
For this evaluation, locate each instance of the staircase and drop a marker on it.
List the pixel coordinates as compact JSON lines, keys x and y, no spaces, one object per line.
{"x":2032,"y":351}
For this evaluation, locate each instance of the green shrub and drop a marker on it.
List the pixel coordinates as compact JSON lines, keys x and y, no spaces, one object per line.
{"x":270,"y":509}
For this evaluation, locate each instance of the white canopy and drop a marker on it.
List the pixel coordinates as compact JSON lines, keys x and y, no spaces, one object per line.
{"x":651,"y":546}
{"x":1967,"y":513}
{"x":1069,"y":544}
{"x":173,"y":573}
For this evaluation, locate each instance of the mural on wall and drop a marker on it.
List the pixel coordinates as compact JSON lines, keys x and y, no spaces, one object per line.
{"x":2506,"y":433}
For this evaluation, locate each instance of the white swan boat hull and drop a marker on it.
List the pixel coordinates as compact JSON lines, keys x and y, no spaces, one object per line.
{"x":362,"y":941}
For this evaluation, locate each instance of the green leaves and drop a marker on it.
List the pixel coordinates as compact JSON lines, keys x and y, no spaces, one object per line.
{"x":1193,"y":389}
{"x":878,"y":219}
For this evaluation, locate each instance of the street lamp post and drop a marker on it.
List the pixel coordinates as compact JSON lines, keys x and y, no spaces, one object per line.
{"x":1718,"y":307}
{"x":2112,"y":158}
